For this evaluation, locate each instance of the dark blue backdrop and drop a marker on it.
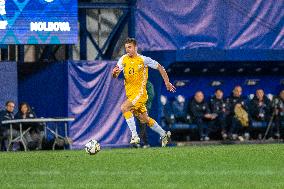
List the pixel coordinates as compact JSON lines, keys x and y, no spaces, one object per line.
{"x":44,"y":87}
{"x":8,"y":83}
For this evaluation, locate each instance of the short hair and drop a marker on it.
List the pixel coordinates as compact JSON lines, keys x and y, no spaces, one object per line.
{"x":8,"y":102}
{"x":199,"y":91}
{"x":259,"y":89}
{"x":237,"y":86}
{"x":130,"y":40}
{"x":218,"y":89}
{"x":22,"y":104}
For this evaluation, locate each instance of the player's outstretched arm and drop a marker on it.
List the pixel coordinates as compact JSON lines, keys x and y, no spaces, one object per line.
{"x":169,"y":86}
{"x":115,"y":71}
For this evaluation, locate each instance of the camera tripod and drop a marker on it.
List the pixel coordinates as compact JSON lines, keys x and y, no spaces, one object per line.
{"x":273,"y":117}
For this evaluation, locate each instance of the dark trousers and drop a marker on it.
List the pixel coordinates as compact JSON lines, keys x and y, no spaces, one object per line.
{"x":236,"y":127}
{"x":143,"y":133}
{"x":217,"y":127}
{"x":3,"y":145}
{"x":278,"y":126}
{"x":202,"y":127}
{"x":220,"y":122}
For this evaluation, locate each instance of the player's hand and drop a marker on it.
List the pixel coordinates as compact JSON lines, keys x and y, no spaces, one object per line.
{"x":214,"y":115}
{"x":208,"y":116}
{"x":115,"y":71}
{"x":170,"y":87}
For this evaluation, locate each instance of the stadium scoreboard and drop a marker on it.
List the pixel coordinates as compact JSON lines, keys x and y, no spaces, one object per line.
{"x":38,"y":21}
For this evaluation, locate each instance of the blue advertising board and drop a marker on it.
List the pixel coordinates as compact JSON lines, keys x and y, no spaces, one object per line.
{"x":38,"y":21}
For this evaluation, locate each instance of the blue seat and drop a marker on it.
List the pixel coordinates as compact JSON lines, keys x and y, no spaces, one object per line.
{"x":178,"y":126}
{"x":259,"y":124}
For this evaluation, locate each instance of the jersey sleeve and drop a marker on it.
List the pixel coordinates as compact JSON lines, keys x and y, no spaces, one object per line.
{"x":119,"y":63}
{"x":150,"y":62}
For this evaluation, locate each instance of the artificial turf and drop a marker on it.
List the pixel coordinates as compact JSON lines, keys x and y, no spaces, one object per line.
{"x":230,"y":166}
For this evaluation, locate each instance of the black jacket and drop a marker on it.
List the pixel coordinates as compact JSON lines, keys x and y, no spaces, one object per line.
{"x":5,"y":115}
{"x":29,"y":115}
{"x":218,"y":106}
{"x":232,"y":101}
{"x":260,"y":111}
{"x":278,"y":104}
{"x":198,"y":110}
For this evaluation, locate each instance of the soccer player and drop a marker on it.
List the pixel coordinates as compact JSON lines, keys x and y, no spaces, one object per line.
{"x":135,"y":69}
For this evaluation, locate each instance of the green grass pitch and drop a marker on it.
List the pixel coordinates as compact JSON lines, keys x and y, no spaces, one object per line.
{"x":231,"y":166}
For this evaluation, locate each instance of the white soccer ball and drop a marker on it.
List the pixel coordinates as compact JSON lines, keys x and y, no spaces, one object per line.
{"x":92,"y":147}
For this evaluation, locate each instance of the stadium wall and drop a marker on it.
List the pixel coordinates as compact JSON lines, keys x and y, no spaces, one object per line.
{"x":81,"y":89}
{"x":213,"y":30}
{"x":44,"y":87}
{"x":85,"y":90}
{"x":215,"y":24}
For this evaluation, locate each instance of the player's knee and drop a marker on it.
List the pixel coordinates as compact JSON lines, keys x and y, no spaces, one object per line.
{"x":123,"y":108}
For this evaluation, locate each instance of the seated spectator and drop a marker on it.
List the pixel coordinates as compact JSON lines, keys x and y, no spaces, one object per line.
{"x":35,"y":134}
{"x":5,"y":132}
{"x":201,"y":115}
{"x":218,"y":106}
{"x":236,"y":128}
{"x":278,"y":106}
{"x":167,"y":114}
{"x":179,"y":109}
{"x":260,"y":108}
{"x":8,"y":113}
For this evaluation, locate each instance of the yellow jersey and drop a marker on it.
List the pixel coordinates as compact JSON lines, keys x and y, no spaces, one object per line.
{"x":135,"y":71}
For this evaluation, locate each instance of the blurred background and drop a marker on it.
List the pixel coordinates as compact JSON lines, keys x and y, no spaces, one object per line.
{"x":203,"y":45}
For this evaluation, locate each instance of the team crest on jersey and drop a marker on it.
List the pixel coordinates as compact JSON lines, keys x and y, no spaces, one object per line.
{"x":139,"y":66}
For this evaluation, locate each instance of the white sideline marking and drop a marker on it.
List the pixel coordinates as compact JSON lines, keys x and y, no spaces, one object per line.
{"x":222,"y":172}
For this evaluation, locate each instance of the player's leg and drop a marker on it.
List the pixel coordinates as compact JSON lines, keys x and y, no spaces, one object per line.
{"x":128,"y":115}
{"x":143,"y":133}
{"x":165,"y":136}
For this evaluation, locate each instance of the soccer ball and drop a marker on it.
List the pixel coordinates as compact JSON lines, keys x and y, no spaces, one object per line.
{"x":92,"y":147}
